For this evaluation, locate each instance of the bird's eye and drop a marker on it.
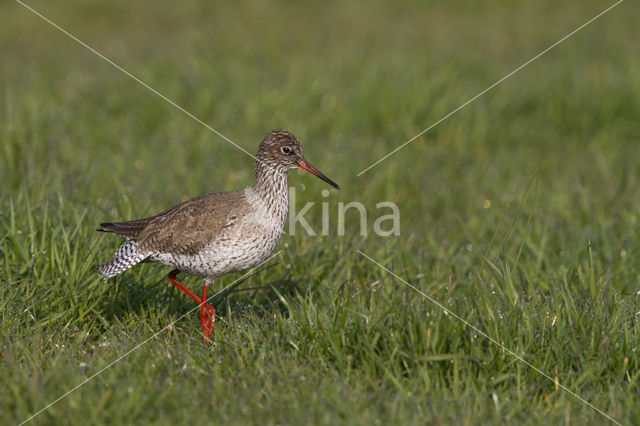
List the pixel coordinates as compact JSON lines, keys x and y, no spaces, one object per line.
{"x":286,"y":150}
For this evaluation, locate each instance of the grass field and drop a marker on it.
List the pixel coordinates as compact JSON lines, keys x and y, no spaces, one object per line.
{"x":519,"y":213}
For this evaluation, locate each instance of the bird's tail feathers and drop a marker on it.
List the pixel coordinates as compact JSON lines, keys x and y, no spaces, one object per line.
{"x":125,"y":257}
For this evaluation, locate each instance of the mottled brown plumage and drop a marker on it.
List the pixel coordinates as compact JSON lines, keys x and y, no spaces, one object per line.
{"x":214,"y":234}
{"x":185,"y":228}
{"x":129,"y":229}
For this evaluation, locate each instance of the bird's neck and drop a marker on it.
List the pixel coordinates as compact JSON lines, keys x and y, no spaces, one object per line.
{"x":271,"y":185}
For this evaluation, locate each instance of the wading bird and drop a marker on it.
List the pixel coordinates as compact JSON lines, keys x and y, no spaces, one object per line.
{"x":215,"y":234}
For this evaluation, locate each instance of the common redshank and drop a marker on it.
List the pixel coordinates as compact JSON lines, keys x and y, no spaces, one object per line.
{"x":215,"y":234}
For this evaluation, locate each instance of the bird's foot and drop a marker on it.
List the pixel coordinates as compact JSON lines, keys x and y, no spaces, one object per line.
{"x":207,"y":316}
{"x":207,"y":319}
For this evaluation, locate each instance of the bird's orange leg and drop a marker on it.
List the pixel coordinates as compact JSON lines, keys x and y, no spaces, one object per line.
{"x":207,"y":315}
{"x":207,"y":312}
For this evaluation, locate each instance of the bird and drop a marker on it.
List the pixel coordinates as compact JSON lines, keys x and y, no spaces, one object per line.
{"x":218,"y":233}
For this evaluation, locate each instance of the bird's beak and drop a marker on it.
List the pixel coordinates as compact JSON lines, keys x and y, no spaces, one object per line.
{"x":304,"y":164}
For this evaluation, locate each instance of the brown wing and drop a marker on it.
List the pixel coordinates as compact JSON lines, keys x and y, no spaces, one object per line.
{"x":129,"y":229}
{"x":189,"y":226}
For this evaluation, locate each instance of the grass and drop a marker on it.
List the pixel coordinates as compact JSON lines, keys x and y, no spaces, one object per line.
{"x":519,"y":213}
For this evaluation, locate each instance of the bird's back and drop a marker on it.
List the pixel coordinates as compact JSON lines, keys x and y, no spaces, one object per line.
{"x":208,"y":236}
{"x":184,"y":228}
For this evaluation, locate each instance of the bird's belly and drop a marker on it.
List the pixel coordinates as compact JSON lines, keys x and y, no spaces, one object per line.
{"x":225,"y":254}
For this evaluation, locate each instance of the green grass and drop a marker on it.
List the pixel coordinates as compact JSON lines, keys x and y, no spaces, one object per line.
{"x":321,"y":335}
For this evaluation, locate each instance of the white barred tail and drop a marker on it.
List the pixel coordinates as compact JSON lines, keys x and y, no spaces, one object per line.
{"x":125,"y":257}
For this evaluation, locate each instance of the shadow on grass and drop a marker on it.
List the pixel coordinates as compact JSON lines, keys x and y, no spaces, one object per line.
{"x":261,"y":301}
{"x":139,"y":297}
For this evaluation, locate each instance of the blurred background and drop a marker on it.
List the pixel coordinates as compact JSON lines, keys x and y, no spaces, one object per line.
{"x":531,"y":188}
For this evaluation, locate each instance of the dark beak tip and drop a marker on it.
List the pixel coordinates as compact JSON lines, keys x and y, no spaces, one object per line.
{"x":332,"y":183}
{"x":304,"y":164}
